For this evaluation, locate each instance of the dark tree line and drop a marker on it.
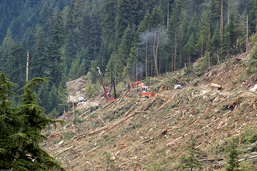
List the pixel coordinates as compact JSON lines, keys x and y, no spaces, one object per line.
{"x":131,"y":39}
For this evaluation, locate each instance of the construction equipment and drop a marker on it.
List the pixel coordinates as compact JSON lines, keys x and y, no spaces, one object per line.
{"x":144,"y":89}
{"x":107,"y":95}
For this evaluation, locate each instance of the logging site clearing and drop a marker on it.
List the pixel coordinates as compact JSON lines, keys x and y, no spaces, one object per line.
{"x":134,"y":133}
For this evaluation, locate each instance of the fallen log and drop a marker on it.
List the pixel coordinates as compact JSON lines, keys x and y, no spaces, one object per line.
{"x":124,"y":95}
{"x":213,"y":159}
{"x":169,"y":99}
{"x":99,"y":130}
{"x":94,"y":149}
{"x":216,"y":86}
{"x":66,"y":149}
{"x":161,"y":134}
{"x":234,"y":104}
{"x":119,"y":122}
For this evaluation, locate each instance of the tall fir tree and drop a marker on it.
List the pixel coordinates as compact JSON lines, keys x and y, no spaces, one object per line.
{"x":39,"y":66}
{"x":16,"y":63}
{"x":22,"y":126}
{"x":55,"y":55}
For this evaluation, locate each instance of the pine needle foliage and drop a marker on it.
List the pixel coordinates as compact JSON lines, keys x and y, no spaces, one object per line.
{"x":21,"y":128}
{"x":233,"y":154}
{"x":190,"y":159}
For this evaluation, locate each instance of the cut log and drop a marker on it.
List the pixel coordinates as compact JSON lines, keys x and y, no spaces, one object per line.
{"x":67,"y":149}
{"x":119,"y":122}
{"x":89,"y":152}
{"x":124,"y":95}
{"x":234,"y":104}
{"x":216,"y":86}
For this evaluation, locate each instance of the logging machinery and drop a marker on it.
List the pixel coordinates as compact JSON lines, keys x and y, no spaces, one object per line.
{"x":107,"y":95}
{"x":144,"y":89}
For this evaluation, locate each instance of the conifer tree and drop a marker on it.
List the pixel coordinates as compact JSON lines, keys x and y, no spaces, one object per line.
{"x":113,"y":68}
{"x":125,"y":46}
{"x":85,"y":26}
{"x":57,"y":41}
{"x":253,"y":17}
{"x":7,"y":118}
{"x":16,"y":63}
{"x":190,"y":160}
{"x":232,"y":163}
{"x":95,"y":33}
{"x":144,"y":27}
{"x":108,"y":14}
{"x":21,"y":130}
{"x":189,"y":47}
{"x":123,"y":18}
{"x":39,"y":65}
{"x":131,"y":69}
{"x":6,"y":45}
{"x":173,"y":28}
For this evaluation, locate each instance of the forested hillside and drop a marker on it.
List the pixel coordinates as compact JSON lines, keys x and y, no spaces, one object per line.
{"x":127,"y":39}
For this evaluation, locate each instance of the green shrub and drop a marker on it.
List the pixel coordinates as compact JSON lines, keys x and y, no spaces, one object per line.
{"x":252,"y":138}
{"x":233,"y":154}
{"x":91,"y":90}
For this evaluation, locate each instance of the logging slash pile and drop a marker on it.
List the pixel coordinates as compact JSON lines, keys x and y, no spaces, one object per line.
{"x":133,"y":133}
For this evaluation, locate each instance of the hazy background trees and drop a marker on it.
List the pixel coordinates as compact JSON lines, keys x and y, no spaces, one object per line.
{"x":130,"y":39}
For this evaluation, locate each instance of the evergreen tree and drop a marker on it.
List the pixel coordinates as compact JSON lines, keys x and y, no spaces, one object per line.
{"x":113,"y":68}
{"x":253,"y":17}
{"x":189,"y":47}
{"x":233,"y":163}
{"x":8,"y":117}
{"x":125,"y":46}
{"x":57,"y":41}
{"x":144,"y":28}
{"x":108,"y":16}
{"x":123,"y":18}
{"x":190,"y":160}
{"x":6,"y":45}
{"x":95,"y":32}
{"x":71,"y":47}
{"x":173,"y":28}
{"x":204,"y":27}
{"x":16,"y":63}
{"x":131,"y":69}
{"x":157,"y":20}
{"x":230,"y":35}
{"x":39,"y":65}
{"x":46,"y":19}
{"x":22,"y":126}
{"x":86,"y":24}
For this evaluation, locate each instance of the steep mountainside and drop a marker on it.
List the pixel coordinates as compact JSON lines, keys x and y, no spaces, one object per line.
{"x":134,"y":133}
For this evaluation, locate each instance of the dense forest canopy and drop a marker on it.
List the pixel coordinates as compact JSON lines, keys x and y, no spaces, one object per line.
{"x":131,"y":39}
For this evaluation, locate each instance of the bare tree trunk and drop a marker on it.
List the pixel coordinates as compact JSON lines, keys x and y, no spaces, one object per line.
{"x":228,"y":11}
{"x":202,"y":49}
{"x":247,"y":36}
{"x":20,"y":74}
{"x":180,"y":58}
{"x":155,"y":51}
{"x":137,"y":67}
{"x":175,"y":51}
{"x":172,"y":63}
{"x":157,"y":47}
{"x":221,"y":22}
{"x":168,"y":14}
{"x":146,"y":49}
{"x":189,"y":58}
{"x":209,"y":60}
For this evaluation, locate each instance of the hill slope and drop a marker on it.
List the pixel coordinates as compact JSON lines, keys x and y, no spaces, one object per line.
{"x":137,"y":133}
